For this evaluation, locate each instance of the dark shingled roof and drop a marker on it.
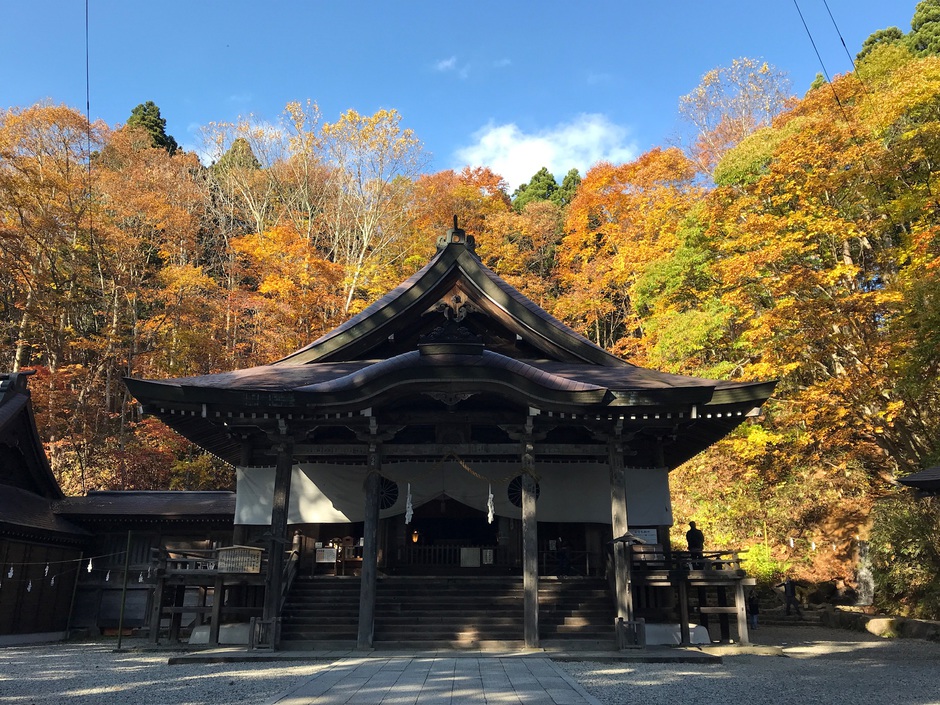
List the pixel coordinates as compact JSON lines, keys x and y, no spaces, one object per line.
{"x":18,"y":430}
{"x":455,"y":263}
{"x":927,"y":480}
{"x":454,"y":328}
{"x":105,"y":505}
{"x":24,"y":509}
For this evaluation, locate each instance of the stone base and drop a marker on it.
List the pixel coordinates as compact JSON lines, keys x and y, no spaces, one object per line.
{"x":671,"y":634}
{"x":228,"y":634}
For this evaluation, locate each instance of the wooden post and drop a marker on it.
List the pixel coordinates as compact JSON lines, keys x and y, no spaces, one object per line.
{"x":279,"y":509}
{"x":684,"y":608}
{"x":218,"y":594}
{"x":156,"y":609}
{"x":530,"y":545}
{"x":618,"y":522}
{"x":724,"y":623}
{"x":176,"y":618}
{"x":370,"y":552}
{"x":743,"y":636}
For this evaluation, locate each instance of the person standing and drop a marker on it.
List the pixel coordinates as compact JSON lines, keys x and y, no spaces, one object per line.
{"x":753,"y":608}
{"x":696,"y":541}
{"x":789,"y":596}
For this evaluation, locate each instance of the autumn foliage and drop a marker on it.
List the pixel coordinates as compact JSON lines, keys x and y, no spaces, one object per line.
{"x":795,"y":240}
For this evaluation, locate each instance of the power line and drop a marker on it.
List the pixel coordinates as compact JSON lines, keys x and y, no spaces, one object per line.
{"x":841,"y":38}
{"x":821,"y":62}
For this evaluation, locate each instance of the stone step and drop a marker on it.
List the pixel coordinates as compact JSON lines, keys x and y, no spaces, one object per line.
{"x":447,"y":612}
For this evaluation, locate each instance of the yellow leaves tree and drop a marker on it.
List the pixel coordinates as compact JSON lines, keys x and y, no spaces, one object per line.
{"x":622,"y":220}
{"x":294,"y":293}
{"x":730,"y":103}
{"x":373,"y":161}
{"x":45,"y":191}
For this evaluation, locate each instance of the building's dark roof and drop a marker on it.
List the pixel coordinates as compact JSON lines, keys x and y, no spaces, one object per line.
{"x":454,"y":265}
{"x":926,"y":480}
{"x":454,"y":330}
{"x":360,"y":383}
{"x":21,"y":509}
{"x":18,"y":431}
{"x":106,"y":505}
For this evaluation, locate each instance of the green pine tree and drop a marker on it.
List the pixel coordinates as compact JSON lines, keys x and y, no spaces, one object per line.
{"x":239,"y":156}
{"x":569,"y":187}
{"x":147,"y":116}
{"x":924,"y":38}
{"x":540,"y":188}
{"x":891,"y":35}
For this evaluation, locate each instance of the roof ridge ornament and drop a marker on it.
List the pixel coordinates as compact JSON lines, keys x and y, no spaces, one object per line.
{"x":456,"y":236}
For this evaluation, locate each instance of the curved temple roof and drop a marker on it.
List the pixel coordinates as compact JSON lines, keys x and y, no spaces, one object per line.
{"x":454,"y":329}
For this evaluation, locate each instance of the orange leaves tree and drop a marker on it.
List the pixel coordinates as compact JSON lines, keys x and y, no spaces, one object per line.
{"x":822,"y":241}
{"x":286,"y":287}
{"x":623,"y":220}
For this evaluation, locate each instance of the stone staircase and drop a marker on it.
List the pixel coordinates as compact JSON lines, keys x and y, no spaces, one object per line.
{"x":447,"y":612}
{"x":321,"y":612}
{"x":576,"y":614}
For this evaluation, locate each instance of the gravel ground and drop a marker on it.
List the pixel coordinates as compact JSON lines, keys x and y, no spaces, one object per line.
{"x":827,"y":666}
{"x":821,"y":666}
{"x":94,"y":674}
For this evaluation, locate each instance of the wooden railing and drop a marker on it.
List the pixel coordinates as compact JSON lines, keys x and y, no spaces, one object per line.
{"x":195,"y":561}
{"x":651,"y":557}
{"x":442,"y":556}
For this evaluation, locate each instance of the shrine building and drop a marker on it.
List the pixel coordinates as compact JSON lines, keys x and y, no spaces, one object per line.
{"x":453,"y":428}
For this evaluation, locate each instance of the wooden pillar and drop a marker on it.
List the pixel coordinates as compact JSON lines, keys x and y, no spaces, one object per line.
{"x":743,"y":636}
{"x":684,"y":609}
{"x":724,"y":624}
{"x":156,"y":609}
{"x":618,"y":522}
{"x":176,"y":617}
{"x":218,"y":595}
{"x":530,"y":545}
{"x":370,"y":552}
{"x":278,"y":541}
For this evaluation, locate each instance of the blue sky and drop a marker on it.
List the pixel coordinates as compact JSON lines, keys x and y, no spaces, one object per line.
{"x":510,"y":85}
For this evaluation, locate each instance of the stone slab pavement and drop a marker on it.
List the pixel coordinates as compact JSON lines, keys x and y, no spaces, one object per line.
{"x":438,"y":680}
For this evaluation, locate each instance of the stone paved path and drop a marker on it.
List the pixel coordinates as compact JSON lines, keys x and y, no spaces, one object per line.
{"x":439,"y":681}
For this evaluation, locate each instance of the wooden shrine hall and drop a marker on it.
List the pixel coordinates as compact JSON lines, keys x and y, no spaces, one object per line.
{"x":455,"y":414}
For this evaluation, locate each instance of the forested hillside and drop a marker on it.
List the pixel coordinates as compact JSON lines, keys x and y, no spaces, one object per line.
{"x":793,"y":239}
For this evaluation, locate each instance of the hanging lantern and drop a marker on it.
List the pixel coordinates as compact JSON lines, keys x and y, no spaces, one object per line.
{"x":415,"y":536}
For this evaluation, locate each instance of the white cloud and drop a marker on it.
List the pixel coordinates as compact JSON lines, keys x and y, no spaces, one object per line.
{"x":516,"y":155}
{"x":449,"y":65}
{"x":446,"y":64}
